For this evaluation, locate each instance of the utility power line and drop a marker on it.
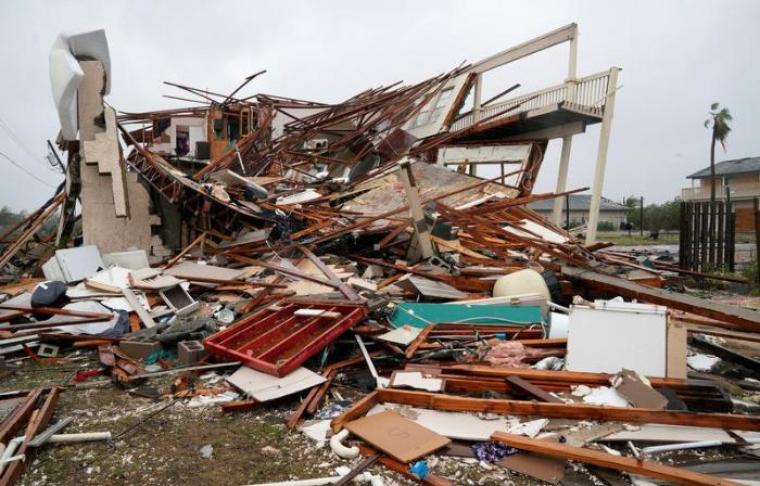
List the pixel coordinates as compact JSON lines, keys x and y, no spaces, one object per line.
{"x":25,"y":170}
{"x":21,"y":143}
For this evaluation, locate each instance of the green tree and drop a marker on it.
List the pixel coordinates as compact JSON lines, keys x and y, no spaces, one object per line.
{"x":634,"y":214}
{"x":718,"y":123}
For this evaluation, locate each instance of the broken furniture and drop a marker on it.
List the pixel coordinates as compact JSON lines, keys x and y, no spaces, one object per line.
{"x":277,"y":341}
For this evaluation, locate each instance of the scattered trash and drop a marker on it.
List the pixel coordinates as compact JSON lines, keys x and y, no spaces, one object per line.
{"x":491,"y":452}
{"x":207,"y":451}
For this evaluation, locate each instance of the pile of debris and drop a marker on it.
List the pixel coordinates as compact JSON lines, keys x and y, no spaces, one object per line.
{"x":324,"y":257}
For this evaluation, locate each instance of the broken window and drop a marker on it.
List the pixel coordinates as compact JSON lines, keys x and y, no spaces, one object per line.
{"x":233,"y":128}
{"x":245,"y":117}
{"x":182,"y":143}
{"x":432,"y":112}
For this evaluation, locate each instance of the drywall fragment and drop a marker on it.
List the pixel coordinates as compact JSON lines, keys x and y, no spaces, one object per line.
{"x":702,"y":362}
{"x":415,"y":380}
{"x":264,"y":387}
{"x":604,"y":395}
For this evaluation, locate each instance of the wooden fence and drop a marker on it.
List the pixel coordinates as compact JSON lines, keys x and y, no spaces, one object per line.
{"x":707,"y":236}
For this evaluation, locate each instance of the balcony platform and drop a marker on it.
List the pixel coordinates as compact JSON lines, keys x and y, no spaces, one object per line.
{"x":560,"y":110}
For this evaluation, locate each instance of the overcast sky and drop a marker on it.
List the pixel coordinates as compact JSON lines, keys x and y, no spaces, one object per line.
{"x":677,"y":58}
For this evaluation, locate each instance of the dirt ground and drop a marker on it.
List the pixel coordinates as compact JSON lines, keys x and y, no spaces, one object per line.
{"x":155,"y":447}
{"x":165,"y":448}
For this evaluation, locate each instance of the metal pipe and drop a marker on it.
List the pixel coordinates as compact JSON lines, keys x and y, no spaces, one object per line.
{"x":682,"y":445}
{"x":341,"y":450}
{"x":691,"y":445}
{"x":74,"y":438}
{"x":9,"y":450}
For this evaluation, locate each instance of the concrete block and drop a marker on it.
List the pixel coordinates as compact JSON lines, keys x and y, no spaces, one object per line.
{"x":190,"y":352}
{"x":139,"y":349}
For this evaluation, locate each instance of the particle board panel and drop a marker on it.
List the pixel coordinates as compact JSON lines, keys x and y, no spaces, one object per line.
{"x":397,"y":436}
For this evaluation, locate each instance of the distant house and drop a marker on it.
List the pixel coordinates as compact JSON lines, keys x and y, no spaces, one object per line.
{"x":740,"y":177}
{"x":609,"y":211}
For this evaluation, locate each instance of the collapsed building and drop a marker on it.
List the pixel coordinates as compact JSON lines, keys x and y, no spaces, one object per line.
{"x":205,"y":160}
{"x":261,"y":229}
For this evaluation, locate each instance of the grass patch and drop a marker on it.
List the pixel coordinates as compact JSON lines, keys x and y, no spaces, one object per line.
{"x":636,"y":239}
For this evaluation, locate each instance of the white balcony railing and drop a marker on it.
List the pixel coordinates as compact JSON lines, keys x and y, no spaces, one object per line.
{"x":590,"y":95}
{"x":703,"y":193}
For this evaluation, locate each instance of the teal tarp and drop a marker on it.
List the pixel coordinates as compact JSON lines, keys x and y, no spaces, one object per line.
{"x":420,"y":315}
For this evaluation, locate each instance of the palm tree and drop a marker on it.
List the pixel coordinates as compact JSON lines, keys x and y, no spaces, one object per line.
{"x":718,"y":121}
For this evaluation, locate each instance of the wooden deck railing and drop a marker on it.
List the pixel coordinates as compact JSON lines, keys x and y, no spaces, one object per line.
{"x":590,"y":95}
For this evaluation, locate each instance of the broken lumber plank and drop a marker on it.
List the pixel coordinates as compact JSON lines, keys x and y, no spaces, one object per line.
{"x":725,"y":353}
{"x":418,"y":341}
{"x":531,"y":390}
{"x":141,"y":312}
{"x":344,"y":289}
{"x":181,"y":370}
{"x":357,"y":410}
{"x":16,"y":419}
{"x":178,"y":257}
{"x":723,"y":334}
{"x":235,"y":406}
{"x":56,"y":311}
{"x":295,"y":418}
{"x":571,"y":377}
{"x":454,"y":403}
{"x":356,"y":470}
{"x":732,"y":317}
{"x":39,"y":419}
{"x":330,"y":373}
{"x":403,"y":469}
{"x":603,"y":459}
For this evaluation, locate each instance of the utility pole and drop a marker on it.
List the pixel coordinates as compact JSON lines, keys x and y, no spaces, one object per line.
{"x":641,"y":216}
{"x":57,"y":160}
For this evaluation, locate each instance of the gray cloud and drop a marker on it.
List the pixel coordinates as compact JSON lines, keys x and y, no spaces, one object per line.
{"x":677,"y":58}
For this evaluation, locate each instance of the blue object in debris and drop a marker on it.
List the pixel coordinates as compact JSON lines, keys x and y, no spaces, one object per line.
{"x":420,"y":469}
{"x":421,"y":314}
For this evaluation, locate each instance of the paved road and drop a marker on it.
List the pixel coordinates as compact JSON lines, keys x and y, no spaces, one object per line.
{"x":744,"y":252}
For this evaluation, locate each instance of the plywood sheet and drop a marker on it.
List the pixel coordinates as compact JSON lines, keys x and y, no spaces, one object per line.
{"x":189,"y":269}
{"x":397,"y":436}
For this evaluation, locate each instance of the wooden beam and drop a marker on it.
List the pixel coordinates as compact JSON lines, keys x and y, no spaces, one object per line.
{"x":173,"y":261}
{"x":344,"y":289}
{"x":570,"y":377}
{"x":531,"y":390}
{"x":602,"y":459}
{"x":403,"y":469}
{"x":39,"y":419}
{"x":356,"y":470}
{"x":359,"y":409}
{"x":569,"y":411}
{"x":57,"y":311}
{"x":16,"y":419}
{"x":735,"y":317}
{"x":557,"y":36}
{"x":418,"y":341}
